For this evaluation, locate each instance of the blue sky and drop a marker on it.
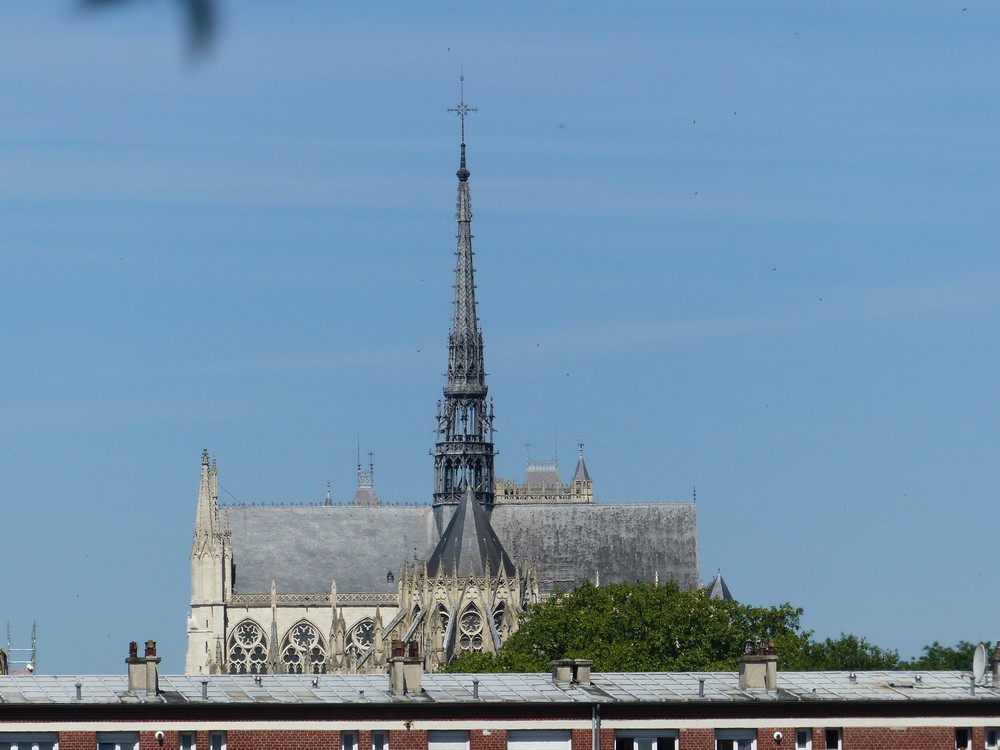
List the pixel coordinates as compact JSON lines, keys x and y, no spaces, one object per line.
{"x":748,"y":248}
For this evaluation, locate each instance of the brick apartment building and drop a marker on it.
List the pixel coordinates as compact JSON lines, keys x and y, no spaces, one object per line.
{"x":571,"y":709}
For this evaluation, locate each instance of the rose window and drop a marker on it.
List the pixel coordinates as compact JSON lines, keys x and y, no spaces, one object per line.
{"x":303,"y":651}
{"x":247,"y":649}
{"x":471,"y":630}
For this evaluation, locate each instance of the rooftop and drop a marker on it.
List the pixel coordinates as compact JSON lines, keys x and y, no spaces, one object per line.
{"x":372,"y":690}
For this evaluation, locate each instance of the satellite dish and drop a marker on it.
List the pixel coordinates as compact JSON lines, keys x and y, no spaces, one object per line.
{"x":979,"y":662}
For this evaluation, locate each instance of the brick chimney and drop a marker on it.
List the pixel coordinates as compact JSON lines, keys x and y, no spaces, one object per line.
{"x":758,"y":666}
{"x":406,"y":668}
{"x":143,"y":671}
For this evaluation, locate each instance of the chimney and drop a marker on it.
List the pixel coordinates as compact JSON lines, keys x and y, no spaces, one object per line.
{"x":406,"y":668}
{"x":562,"y":672}
{"x":758,"y":666}
{"x":143,"y":671}
{"x":995,"y":665}
{"x":566,"y":672}
{"x":581,"y":671}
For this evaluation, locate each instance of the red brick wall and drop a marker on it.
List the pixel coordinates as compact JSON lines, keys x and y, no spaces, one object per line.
{"x":922,"y":738}
{"x":696,"y":739}
{"x":854,"y":738}
{"x":77,"y":741}
{"x":269,"y":740}
{"x":408,"y":739}
{"x":495,"y":740}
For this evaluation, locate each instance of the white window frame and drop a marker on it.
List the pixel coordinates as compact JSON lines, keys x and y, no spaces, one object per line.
{"x":384,"y":744}
{"x":808,"y":744}
{"x":29,"y":740}
{"x":451,"y":739}
{"x":348,"y":741}
{"x":118,"y":740}
{"x":840,"y":738}
{"x":748,"y":736}
{"x":968,"y":738}
{"x":991,"y":737}
{"x":646,"y":734}
{"x":187,"y":741}
{"x":541,"y":737}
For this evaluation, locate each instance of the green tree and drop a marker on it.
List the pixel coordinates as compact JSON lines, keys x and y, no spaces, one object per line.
{"x":936,"y":656}
{"x":848,"y":652}
{"x":641,"y":627}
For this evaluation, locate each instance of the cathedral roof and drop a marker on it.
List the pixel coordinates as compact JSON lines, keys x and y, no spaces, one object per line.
{"x":469,"y":545}
{"x":303,"y":548}
{"x":718,"y":589}
{"x":541,"y":472}
{"x":616,"y":543}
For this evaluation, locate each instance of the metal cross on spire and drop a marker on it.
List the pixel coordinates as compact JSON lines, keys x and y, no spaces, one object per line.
{"x":462,"y":109}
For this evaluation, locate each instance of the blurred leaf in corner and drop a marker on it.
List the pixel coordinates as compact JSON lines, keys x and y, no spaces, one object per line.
{"x":200,"y":17}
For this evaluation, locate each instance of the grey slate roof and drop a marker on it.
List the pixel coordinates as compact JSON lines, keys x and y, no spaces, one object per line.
{"x":626,"y":542}
{"x":303,"y":548}
{"x":718,"y":589}
{"x":632,"y":687}
{"x":469,"y":545}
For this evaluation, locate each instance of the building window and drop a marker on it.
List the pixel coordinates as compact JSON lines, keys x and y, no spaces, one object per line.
{"x":380,"y":741}
{"x":471,"y":629}
{"x":217,"y":741}
{"x":834,"y":739}
{"x":628,"y":739}
{"x":117,"y":741}
{"x":29,"y":741}
{"x":735,"y":739}
{"x":186,"y":741}
{"x":992,"y":738}
{"x":538,"y":739}
{"x":361,"y":638}
{"x":963,"y":738}
{"x":803,"y":739}
{"x":444,"y":740}
{"x":247,"y":649}
{"x":302,"y":650}
{"x":348,"y":741}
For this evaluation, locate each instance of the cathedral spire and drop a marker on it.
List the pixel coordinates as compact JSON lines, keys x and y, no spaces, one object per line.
{"x":206,"y":525}
{"x":463,"y":453}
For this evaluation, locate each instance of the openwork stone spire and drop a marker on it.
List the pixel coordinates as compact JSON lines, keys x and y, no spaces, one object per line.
{"x":463,"y":454}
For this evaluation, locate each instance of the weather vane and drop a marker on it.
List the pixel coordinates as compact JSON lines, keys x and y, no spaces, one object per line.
{"x":462,"y":109}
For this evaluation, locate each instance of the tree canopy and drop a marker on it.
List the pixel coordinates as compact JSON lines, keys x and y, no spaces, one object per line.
{"x":639,"y":627}
{"x":643,"y":627}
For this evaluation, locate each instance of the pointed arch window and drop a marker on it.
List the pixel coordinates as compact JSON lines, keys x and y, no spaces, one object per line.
{"x":303,"y":650}
{"x":361,"y":638}
{"x":498,"y":612}
{"x":470,"y":626}
{"x":444,"y":617}
{"x":247,"y":649}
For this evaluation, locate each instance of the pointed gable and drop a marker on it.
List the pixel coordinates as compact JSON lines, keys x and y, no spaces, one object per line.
{"x":718,"y":589}
{"x":469,"y":544}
